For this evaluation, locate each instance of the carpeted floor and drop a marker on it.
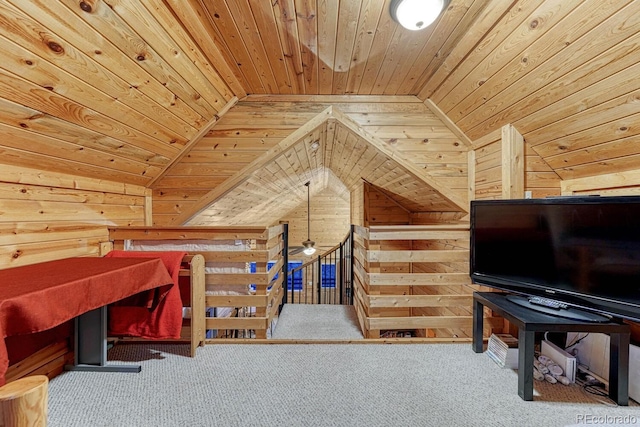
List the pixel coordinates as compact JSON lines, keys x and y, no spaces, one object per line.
{"x":317,"y":322}
{"x":316,"y":385}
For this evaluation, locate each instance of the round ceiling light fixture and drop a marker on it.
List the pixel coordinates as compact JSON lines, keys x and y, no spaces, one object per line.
{"x":308,"y":247}
{"x":416,"y":14}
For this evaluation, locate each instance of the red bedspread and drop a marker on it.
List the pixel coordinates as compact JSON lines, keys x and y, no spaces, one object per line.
{"x":37,"y":297}
{"x":154,"y":314}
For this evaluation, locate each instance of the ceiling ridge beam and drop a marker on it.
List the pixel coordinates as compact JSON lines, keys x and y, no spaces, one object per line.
{"x":331,"y":99}
{"x":245,"y":173}
{"x":407,"y":164}
{"x":196,"y":138}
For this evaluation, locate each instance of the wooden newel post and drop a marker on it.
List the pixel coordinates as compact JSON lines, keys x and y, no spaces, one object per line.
{"x":23,"y":403}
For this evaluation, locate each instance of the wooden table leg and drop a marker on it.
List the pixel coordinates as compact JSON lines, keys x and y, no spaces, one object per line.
{"x":23,"y":402}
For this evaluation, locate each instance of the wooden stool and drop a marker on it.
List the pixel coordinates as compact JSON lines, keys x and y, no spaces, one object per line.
{"x":23,"y":403}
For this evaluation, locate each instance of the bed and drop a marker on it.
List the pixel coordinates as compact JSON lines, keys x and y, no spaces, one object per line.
{"x":239,"y":303}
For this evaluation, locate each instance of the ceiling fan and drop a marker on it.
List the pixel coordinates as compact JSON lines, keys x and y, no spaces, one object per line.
{"x":308,"y":245}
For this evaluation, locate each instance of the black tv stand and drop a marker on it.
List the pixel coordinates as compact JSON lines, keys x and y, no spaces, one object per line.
{"x":529,"y":322}
{"x":568,"y":313}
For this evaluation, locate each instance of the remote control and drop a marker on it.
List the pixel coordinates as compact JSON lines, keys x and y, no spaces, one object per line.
{"x":548,"y":303}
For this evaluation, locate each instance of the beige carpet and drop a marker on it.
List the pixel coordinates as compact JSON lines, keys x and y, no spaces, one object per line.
{"x":317,"y":322}
{"x":323,"y":385}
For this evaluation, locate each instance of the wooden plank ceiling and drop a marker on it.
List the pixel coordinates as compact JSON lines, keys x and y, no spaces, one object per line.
{"x":252,"y":136}
{"x":122,"y":90}
{"x":109,"y":90}
{"x":331,"y":155}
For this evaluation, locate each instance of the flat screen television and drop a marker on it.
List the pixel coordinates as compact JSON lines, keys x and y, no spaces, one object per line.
{"x":583,"y":251}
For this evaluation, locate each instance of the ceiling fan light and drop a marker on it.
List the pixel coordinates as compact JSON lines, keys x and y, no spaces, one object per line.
{"x":416,"y":14}
{"x":308,"y":244}
{"x":308,"y":247}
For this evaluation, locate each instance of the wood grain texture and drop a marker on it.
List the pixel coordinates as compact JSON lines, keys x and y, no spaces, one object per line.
{"x":48,"y":216}
{"x":24,"y":402}
{"x":265,"y":245}
{"x":122,"y":91}
{"x":562,"y":74}
{"x":108,"y":90}
{"x":413,"y":278}
{"x":344,"y":155}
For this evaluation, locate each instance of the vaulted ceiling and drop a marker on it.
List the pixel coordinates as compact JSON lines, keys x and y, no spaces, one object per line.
{"x":181,"y":95}
{"x":329,"y":151}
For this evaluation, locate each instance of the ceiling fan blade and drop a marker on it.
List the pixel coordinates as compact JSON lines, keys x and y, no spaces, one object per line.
{"x":294,"y":250}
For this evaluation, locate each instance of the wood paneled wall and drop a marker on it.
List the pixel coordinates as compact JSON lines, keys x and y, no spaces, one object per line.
{"x":330,"y":222}
{"x":371,"y":206}
{"x":432,"y":218}
{"x":258,"y":123}
{"x":614,"y":184}
{"x":118,"y":90}
{"x":380,"y":209}
{"x":488,"y":169}
{"x":539,"y":178}
{"x":493,"y":160}
{"x":357,"y":205}
{"x":46,"y":216}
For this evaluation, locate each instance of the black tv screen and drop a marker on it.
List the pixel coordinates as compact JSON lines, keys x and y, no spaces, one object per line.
{"x":581,"y":250}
